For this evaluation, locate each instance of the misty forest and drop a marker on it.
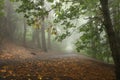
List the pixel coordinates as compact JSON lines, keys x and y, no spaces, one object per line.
{"x":59,"y":39}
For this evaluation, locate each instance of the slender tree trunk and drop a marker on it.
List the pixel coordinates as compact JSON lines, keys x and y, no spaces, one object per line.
{"x":114,"y":44}
{"x":24,"y":34}
{"x":33,"y":35}
{"x":43,"y":36}
{"x":38,"y":38}
{"x":34,"y":38}
{"x":10,"y":28}
{"x":49,"y":37}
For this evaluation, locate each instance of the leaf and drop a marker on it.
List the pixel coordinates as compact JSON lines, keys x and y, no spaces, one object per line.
{"x":50,"y":1}
{"x":3,"y":70}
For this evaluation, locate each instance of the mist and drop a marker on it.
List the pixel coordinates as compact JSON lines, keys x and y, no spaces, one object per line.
{"x":53,"y":40}
{"x":18,"y":31}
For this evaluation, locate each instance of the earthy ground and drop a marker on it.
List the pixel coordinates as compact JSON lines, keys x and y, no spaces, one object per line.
{"x":20,"y":63}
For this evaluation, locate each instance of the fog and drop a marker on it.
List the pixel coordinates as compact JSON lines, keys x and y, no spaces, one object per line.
{"x":15,"y":28}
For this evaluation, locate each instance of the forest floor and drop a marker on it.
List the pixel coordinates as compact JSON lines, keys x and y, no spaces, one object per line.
{"x":20,"y":63}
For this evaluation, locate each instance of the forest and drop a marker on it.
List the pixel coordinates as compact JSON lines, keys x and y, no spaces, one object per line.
{"x":59,"y":40}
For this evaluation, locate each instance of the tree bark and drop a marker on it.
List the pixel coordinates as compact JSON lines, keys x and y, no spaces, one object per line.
{"x":116,"y":19}
{"x":114,"y":44}
{"x":49,"y":37}
{"x":43,"y":36}
{"x":24,"y":34}
{"x":10,"y":28}
{"x":38,"y":38}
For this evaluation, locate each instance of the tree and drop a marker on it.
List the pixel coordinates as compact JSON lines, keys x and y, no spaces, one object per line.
{"x":36,"y":33}
{"x":115,"y":16}
{"x":49,"y":36}
{"x":1,"y":19}
{"x":93,"y":39}
{"x":1,"y":7}
{"x":7,"y":24}
{"x":114,"y":44}
{"x":25,"y":31}
{"x":105,"y":22}
{"x":43,"y":35}
{"x":33,"y":10}
{"x":96,"y":11}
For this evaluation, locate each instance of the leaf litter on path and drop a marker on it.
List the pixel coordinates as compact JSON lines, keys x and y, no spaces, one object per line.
{"x":51,"y":66}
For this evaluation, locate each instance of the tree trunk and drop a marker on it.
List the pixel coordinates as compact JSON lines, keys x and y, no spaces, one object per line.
{"x":24,"y":34}
{"x":10,"y":28}
{"x":43,"y":36}
{"x":116,"y":19}
{"x":114,"y":44}
{"x":49,"y":37}
{"x":38,"y":38}
{"x":33,"y":35}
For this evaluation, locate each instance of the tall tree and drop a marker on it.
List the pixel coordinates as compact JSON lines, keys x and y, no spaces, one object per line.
{"x":49,"y":36}
{"x":43,"y":35}
{"x":114,"y":44}
{"x":31,"y":10}
{"x":36,"y":33}
{"x":1,"y":20}
{"x":1,"y":7}
{"x":25,"y":32}
{"x":104,"y":18}
{"x":10,"y":28}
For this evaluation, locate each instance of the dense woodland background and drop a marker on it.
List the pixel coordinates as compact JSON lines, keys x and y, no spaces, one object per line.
{"x":85,"y":27}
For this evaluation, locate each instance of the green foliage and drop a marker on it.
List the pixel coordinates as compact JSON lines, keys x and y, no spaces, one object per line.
{"x":32,"y":10}
{"x":1,"y":7}
{"x":63,"y":36}
{"x":93,"y":39}
{"x":50,"y":1}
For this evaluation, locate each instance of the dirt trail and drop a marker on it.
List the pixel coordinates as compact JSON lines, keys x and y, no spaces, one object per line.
{"x":13,"y":52}
{"x":20,"y":63}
